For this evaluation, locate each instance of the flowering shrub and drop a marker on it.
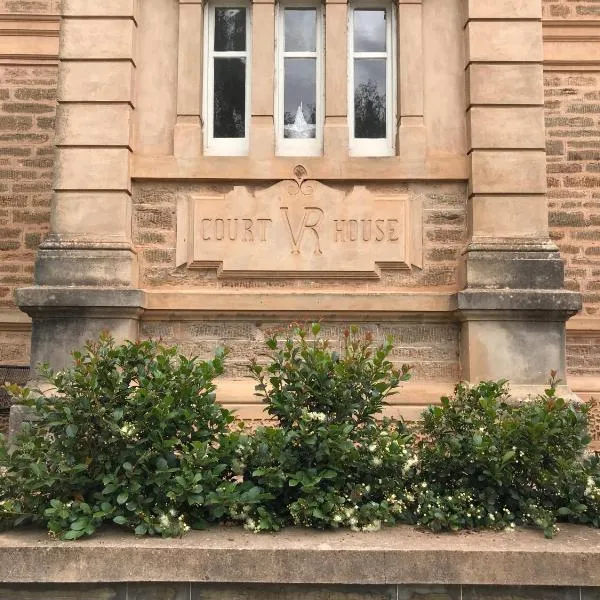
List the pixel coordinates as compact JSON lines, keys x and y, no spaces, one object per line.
{"x":327,"y":462}
{"x":130,"y":434}
{"x":484,"y":463}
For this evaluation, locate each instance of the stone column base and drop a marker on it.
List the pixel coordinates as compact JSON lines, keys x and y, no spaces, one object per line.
{"x":65,"y":318}
{"x":515,"y":334}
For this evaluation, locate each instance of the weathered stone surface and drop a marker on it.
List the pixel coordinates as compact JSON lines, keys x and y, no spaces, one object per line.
{"x":392,"y":556}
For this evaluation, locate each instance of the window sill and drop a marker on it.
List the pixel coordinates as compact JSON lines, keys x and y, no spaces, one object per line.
{"x":448,"y":168}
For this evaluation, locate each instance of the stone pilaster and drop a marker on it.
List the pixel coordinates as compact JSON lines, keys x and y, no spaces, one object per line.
{"x":262,"y":128}
{"x":411,"y":136}
{"x":89,"y":245}
{"x":188,"y":129}
{"x":336,"y":78}
{"x":513,"y":306}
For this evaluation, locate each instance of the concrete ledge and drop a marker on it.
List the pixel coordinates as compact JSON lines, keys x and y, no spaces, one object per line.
{"x":399,"y":555}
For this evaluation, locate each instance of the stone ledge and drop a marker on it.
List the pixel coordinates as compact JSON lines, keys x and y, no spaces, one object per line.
{"x":399,"y":555}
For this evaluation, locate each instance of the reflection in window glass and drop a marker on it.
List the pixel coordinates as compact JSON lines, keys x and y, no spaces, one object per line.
{"x":369,"y":31}
{"x":230,"y":29}
{"x":300,"y":30}
{"x":229,"y":114}
{"x":369,"y":98}
{"x":227,"y":80}
{"x":371,"y":81}
{"x":300,"y":98}
{"x":299,"y":94}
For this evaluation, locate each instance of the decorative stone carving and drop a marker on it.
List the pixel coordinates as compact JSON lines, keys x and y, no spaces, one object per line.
{"x":299,"y":229}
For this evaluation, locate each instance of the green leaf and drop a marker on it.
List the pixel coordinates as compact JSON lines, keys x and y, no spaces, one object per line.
{"x":122,"y":498}
{"x":564,"y":510}
{"x":120,"y":520}
{"x":141,"y":529}
{"x":127,"y":466}
{"x":507,"y":456}
{"x":80,"y":524}
{"x":71,"y":430}
{"x":72,"y":534}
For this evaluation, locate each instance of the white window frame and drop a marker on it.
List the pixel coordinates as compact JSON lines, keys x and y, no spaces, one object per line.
{"x":382,"y":146}
{"x":224,"y":146}
{"x":298,"y":147}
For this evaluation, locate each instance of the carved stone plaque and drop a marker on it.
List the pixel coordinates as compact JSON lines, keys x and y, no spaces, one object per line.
{"x":299,"y":228}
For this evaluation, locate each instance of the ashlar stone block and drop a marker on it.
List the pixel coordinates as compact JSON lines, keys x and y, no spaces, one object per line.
{"x":105,"y":8}
{"x":504,"y":9}
{"x":508,"y":172}
{"x":504,"y":41}
{"x":93,"y":124}
{"x":92,"y":169}
{"x":102,"y":81}
{"x":100,"y":215}
{"x":505,"y":84}
{"x":97,"y":39}
{"x":509,"y":216}
{"x":504,"y":127}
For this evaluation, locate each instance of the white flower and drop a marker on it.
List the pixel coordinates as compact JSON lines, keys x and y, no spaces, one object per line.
{"x":374,"y":526}
{"x":315,"y":416}
{"x":376,"y":461}
{"x":337,"y":518}
{"x":128,"y":429}
{"x":163,"y":520}
{"x":372,"y":447}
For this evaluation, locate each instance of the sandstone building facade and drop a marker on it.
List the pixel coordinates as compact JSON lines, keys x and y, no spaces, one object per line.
{"x":135,"y":194}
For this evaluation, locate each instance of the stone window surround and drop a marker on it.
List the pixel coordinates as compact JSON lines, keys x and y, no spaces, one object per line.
{"x":225,"y":146}
{"x":384,"y":146}
{"x":308,"y":147}
{"x":409,"y":130}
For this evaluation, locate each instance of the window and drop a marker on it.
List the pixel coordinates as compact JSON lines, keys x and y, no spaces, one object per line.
{"x":371,"y":80}
{"x":227,"y":82}
{"x":299,"y":120}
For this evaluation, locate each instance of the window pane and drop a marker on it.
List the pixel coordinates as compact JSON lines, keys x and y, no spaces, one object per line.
{"x":369,"y":30}
{"x":230,"y":29}
{"x":300,"y":98}
{"x":230,"y":98}
{"x":369,"y":97}
{"x":300,"y":30}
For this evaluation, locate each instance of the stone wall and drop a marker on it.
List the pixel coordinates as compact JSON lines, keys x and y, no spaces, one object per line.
{"x":573,"y":150}
{"x":26,"y":161}
{"x":28,"y":81}
{"x":572,"y":84}
{"x":570,"y":9}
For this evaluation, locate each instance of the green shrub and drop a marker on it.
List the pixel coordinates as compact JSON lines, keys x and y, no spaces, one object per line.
{"x":327,"y":462}
{"x":485,"y":463}
{"x":130,"y":434}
